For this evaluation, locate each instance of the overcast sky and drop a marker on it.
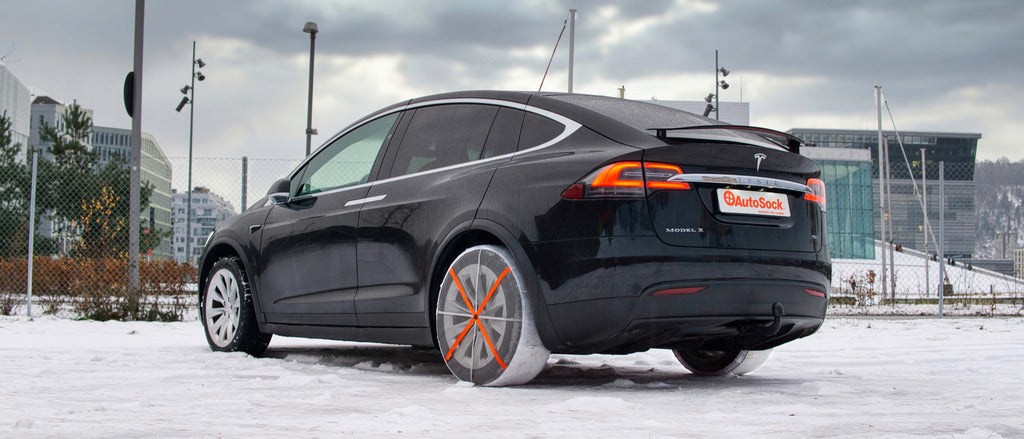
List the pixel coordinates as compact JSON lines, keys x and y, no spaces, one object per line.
{"x":943,"y":65}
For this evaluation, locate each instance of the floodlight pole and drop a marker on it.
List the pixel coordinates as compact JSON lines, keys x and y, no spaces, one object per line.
{"x":312,"y":30}
{"x":188,"y":190}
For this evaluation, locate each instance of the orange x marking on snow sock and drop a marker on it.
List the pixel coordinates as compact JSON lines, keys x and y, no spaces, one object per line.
{"x":476,"y":316}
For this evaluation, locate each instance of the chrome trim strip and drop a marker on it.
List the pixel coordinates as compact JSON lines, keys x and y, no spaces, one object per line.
{"x":365,"y":200}
{"x":743,"y":180}
{"x":570,"y":125}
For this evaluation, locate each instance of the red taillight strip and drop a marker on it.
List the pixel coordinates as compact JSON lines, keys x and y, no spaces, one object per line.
{"x":818,"y":195}
{"x":611,"y":176}
{"x":662,"y":184}
{"x":814,"y":292}
{"x":685,"y":290}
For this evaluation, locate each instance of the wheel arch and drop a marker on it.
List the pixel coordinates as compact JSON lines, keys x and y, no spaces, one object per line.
{"x":482,"y":232}
{"x":217,"y":252}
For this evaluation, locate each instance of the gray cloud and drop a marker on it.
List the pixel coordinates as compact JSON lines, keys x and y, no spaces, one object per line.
{"x":919,"y":51}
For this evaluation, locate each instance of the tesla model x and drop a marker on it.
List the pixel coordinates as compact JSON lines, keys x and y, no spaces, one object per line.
{"x":499,"y":227}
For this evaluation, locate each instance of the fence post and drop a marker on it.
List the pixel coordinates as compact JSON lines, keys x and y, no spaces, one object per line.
{"x":924,"y":209}
{"x":31,"y":232}
{"x":245,"y":181}
{"x":942,"y":234}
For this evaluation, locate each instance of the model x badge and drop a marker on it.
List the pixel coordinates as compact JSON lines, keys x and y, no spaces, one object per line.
{"x":759,"y":157}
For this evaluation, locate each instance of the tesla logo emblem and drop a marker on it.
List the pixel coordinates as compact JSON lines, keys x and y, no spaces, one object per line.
{"x":759,"y":157}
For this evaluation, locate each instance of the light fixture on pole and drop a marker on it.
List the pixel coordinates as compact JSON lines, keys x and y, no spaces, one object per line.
{"x":719,"y":84}
{"x":311,"y":29}
{"x":189,"y":90}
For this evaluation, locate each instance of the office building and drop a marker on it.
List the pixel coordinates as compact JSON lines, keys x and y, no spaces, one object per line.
{"x":15,"y":102}
{"x":957,"y":150}
{"x":155,"y":170}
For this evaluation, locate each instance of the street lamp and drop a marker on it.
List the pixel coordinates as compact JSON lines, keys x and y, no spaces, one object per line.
{"x":311,"y":29}
{"x":719,"y":84}
{"x":189,"y":99}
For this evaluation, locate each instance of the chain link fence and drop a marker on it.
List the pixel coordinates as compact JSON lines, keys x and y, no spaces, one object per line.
{"x":80,"y":241}
{"x":902,"y":273}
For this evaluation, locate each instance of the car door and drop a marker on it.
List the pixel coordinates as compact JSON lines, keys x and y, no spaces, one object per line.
{"x":432,"y":182}
{"x":308,"y":248}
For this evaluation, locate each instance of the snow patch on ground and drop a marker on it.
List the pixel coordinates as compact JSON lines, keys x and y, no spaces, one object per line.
{"x":857,"y":377}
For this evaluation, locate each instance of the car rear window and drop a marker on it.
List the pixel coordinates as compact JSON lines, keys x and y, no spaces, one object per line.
{"x":443,"y":135}
{"x":537,"y":130}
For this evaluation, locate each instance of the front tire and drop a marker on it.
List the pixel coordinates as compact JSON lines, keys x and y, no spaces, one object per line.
{"x":719,"y":363}
{"x":227,"y":313}
{"x":485,"y":327}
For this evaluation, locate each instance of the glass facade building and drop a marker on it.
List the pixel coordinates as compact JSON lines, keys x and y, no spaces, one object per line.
{"x":847,"y":177}
{"x":908,"y":193}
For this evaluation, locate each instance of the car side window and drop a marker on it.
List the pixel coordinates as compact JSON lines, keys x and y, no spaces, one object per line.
{"x":345,"y":162}
{"x":443,"y":135}
{"x":504,"y":135}
{"x":537,"y":130}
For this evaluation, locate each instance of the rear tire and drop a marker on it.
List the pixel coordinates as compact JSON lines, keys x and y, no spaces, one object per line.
{"x":485,"y":326}
{"x":227,"y":313}
{"x":719,"y":363}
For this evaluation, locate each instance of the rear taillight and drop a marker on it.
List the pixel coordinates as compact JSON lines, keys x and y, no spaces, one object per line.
{"x":817,"y":194}
{"x":626,"y":180}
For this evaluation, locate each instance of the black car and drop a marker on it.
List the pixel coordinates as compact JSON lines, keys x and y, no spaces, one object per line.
{"x":502,"y":226}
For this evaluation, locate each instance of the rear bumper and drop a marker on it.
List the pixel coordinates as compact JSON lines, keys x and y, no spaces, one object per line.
{"x":636,"y":293}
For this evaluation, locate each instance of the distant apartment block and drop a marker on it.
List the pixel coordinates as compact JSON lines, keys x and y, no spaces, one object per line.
{"x":208,"y":209}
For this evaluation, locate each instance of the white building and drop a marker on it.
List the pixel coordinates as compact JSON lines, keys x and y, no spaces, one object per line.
{"x":48,"y":111}
{"x":15,"y":101}
{"x":208,"y":209}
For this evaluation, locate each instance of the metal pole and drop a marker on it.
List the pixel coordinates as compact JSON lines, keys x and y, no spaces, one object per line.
{"x":888,"y":216}
{"x":717,"y":90}
{"x":31,"y":231}
{"x":942,"y":234}
{"x":312,"y":29}
{"x":134,"y":196}
{"x":924,"y":208}
{"x":188,"y":191}
{"x":881,"y":187}
{"x":572,"y":43}
{"x":245,"y":181}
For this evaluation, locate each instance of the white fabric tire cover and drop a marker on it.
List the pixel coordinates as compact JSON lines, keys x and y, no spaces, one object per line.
{"x":485,"y":327}
{"x":718,"y":363}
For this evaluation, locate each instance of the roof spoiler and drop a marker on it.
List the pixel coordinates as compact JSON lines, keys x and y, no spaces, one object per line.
{"x":785,"y":140}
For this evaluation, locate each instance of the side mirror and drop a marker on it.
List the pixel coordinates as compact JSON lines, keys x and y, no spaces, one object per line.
{"x":278,"y":192}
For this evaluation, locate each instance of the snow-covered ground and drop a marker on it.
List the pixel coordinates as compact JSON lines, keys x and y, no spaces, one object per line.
{"x":863,"y":377}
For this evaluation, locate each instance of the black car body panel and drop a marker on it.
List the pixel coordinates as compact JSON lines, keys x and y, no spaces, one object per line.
{"x":360,"y":257}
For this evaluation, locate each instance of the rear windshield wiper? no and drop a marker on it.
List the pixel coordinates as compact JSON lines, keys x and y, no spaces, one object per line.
{"x":788,"y":141}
